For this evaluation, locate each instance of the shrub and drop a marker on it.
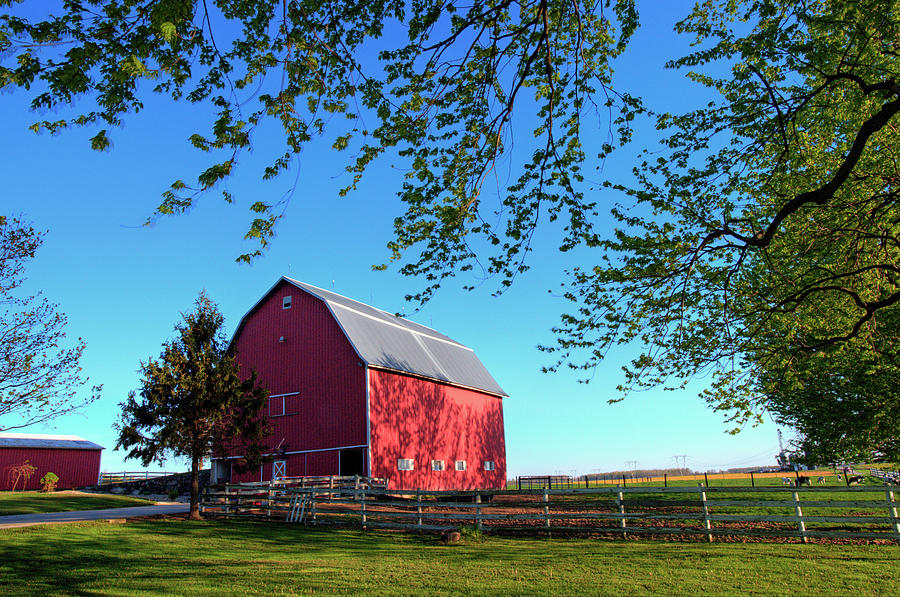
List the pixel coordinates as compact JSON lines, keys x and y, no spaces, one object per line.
{"x":173,"y":493}
{"x":48,"y":482}
{"x":471,"y":533}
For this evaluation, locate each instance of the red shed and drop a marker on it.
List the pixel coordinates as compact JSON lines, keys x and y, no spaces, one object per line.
{"x":73,"y":459}
{"x":357,"y":390}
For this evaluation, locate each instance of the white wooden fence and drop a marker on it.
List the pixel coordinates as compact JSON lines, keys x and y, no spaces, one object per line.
{"x":107,"y":478}
{"x":786,"y":512}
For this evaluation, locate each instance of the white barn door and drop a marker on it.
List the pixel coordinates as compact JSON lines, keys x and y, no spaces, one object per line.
{"x":278,"y":469}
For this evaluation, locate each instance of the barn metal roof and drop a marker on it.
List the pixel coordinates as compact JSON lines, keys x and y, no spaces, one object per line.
{"x":40,"y":440}
{"x":384,"y":340}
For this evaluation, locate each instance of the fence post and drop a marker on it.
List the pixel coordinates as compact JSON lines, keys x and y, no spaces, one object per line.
{"x":892,"y":512}
{"x":620,"y":502}
{"x":478,"y":510}
{"x":546,"y":508}
{"x":269,"y":494}
{"x":227,"y":499}
{"x":665,"y":480}
{"x":752,"y":482}
{"x":419,"y":507}
{"x":624,"y":482}
{"x":519,"y":483}
{"x":706,"y":478}
{"x":362,"y":505}
{"x":312,"y":505}
{"x":801,"y":526}
{"x":705,"y":510}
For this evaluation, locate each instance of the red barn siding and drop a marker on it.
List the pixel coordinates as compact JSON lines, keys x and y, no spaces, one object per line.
{"x":318,"y":362}
{"x":425,"y":420}
{"x":75,"y":468}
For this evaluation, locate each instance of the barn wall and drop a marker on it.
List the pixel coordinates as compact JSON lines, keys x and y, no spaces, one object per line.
{"x":317,"y":361}
{"x":75,"y":468}
{"x":425,"y":420}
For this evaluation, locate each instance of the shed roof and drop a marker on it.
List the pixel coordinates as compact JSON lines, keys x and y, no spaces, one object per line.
{"x":41,"y":440}
{"x":385,"y":340}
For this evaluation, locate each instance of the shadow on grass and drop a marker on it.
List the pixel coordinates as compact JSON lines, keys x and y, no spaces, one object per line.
{"x":183,"y":557}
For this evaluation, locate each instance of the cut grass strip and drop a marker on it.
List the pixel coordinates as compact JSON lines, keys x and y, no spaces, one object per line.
{"x":32,"y":502}
{"x":240,"y":557}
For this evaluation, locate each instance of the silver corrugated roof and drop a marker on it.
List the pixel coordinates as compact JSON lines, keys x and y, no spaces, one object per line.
{"x":39,"y":440}
{"x":382,"y":339}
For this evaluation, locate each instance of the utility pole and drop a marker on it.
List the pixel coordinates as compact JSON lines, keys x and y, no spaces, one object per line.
{"x":683,"y":458}
{"x":631,"y":464}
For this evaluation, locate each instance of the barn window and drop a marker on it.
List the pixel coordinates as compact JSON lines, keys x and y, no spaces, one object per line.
{"x":405,"y":464}
{"x":286,"y":302}
{"x":460,"y":465}
{"x":488,"y":465}
{"x":284,"y":404}
{"x":437,"y":465}
{"x":276,"y":406}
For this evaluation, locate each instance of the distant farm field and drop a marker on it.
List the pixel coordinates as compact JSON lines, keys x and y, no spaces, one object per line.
{"x":33,"y":502}
{"x":243,"y":557}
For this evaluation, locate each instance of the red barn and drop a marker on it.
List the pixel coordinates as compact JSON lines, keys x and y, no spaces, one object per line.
{"x":73,"y":459}
{"x":357,"y":390}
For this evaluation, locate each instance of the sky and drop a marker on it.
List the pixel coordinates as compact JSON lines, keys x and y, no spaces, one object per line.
{"x":124,"y":285}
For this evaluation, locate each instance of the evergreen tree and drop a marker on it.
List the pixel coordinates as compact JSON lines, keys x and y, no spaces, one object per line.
{"x":193,"y":400}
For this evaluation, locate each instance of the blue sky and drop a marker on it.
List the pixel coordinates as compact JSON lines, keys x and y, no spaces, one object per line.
{"x":123,"y":285}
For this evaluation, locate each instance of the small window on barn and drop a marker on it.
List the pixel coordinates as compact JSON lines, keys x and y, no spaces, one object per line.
{"x":286,"y":302}
{"x":437,"y":465}
{"x":488,"y":465}
{"x":460,"y":465}
{"x":405,"y":464}
{"x":276,"y":406}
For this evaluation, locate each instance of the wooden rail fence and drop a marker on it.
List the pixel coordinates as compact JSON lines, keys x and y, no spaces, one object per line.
{"x":778,"y":512}
{"x":128,"y":476}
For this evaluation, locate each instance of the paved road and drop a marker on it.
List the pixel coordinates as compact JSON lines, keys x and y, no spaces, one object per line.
{"x":24,"y":520}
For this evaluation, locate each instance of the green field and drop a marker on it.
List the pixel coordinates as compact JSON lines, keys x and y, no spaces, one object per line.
{"x":238,"y":557}
{"x":32,"y":502}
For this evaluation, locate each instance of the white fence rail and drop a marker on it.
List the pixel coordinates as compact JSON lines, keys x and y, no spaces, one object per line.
{"x":128,"y":476}
{"x":782,"y":512}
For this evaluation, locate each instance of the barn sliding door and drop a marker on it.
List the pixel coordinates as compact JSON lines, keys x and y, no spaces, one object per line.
{"x":353,"y":462}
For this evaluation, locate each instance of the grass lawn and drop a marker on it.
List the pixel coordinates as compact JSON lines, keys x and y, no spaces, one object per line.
{"x":32,"y":502}
{"x":237,"y":557}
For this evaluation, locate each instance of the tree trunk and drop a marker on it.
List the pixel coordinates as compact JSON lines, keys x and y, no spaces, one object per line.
{"x":195,"y":489}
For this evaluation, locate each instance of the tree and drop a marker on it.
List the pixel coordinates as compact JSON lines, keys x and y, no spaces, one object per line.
{"x":19,"y":472}
{"x":438,"y":80}
{"x":40,"y":378}
{"x":765,"y":228}
{"x":193,"y":400}
{"x":841,"y":399}
{"x":767,"y":231}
